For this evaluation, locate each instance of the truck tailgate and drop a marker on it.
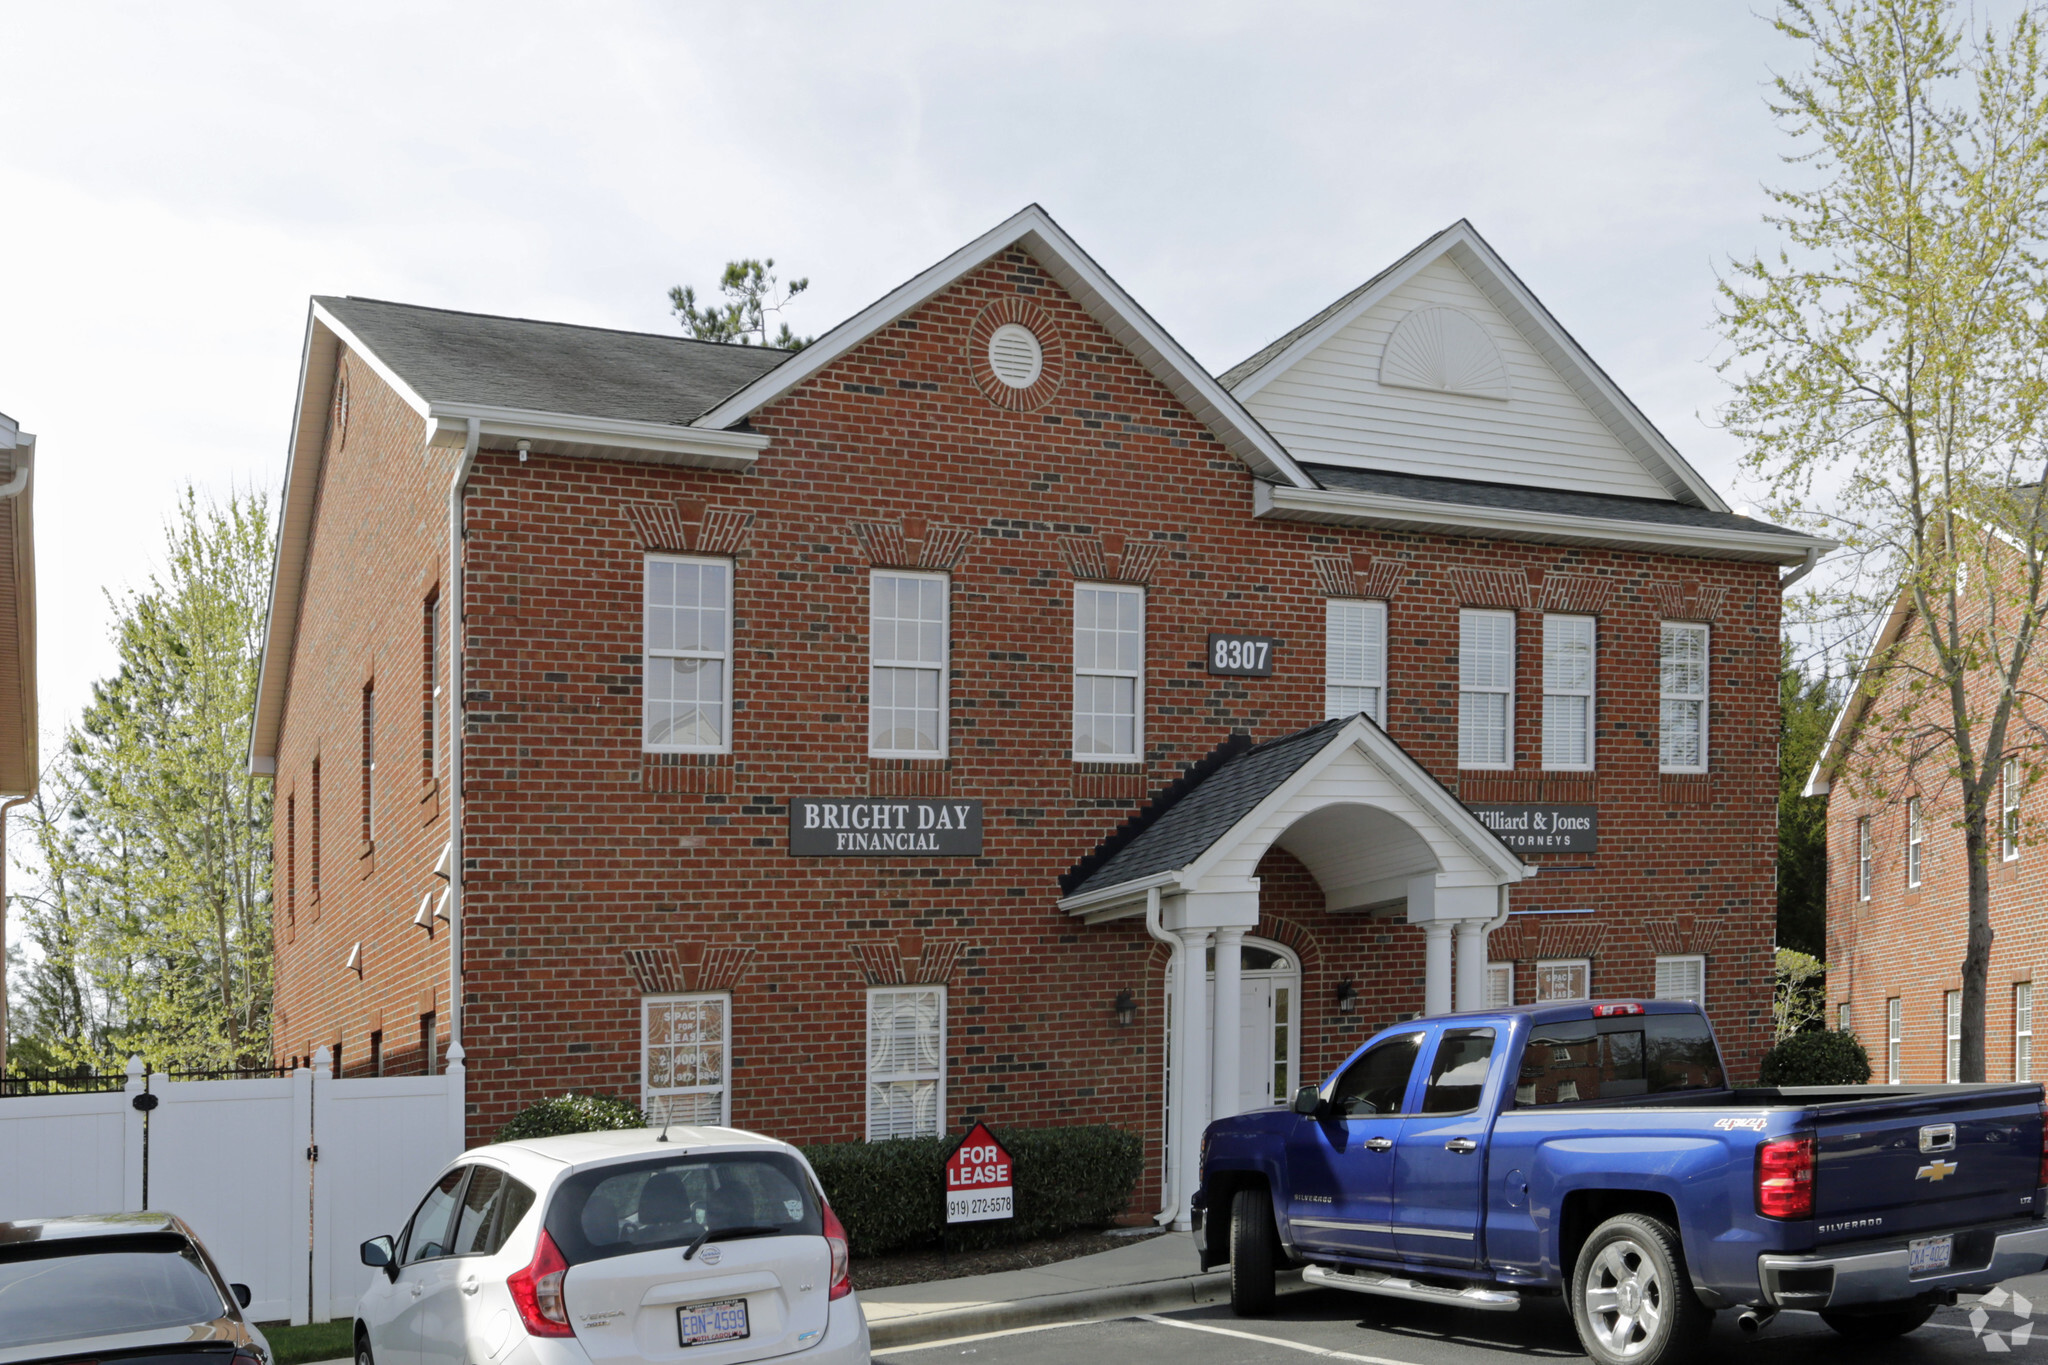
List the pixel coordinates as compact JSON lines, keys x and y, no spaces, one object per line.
{"x":1894,"y":1158}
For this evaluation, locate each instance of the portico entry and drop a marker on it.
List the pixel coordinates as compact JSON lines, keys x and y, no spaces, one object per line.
{"x":1376,"y":831}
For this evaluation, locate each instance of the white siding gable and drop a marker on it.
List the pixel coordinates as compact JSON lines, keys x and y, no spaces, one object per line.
{"x":1331,"y":407}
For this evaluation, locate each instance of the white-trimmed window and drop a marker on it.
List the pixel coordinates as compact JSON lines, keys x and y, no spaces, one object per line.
{"x":1500,"y":985}
{"x":685,"y":1058}
{"x":1355,"y":659}
{"x":1952,"y":1012}
{"x":1894,"y":1039}
{"x":1486,"y":689}
{"x":1564,"y":979}
{"x":2023,"y":1031}
{"x":1109,"y":673}
{"x":1568,"y":692}
{"x":1682,"y":689}
{"x":1915,"y":841}
{"x":686,"y":641}
{"x":1863,"y":859}
{"x":1842,"y":1018}
{"x":1682,"y":978}
{"x":908,"y":631}
{"x":906,"y":1062}
{"x":2009,"y":815}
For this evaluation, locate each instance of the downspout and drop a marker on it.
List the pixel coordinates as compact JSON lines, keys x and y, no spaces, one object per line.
{"x":25,"y":455}
{"x":1812,"y":558}
{"x":456,"y":487}
{"x":1171,"y":1207}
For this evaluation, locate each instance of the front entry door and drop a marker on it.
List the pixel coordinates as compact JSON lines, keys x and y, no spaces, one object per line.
{"x":1341,"y":1165}
{"x":1268,"y":994}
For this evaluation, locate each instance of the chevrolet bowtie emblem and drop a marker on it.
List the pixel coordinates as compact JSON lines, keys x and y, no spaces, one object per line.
{"x":1936,"y":1171}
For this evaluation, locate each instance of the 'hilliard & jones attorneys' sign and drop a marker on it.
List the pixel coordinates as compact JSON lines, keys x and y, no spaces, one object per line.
{"x":1528,"y":827}
{"x":855,"y":827}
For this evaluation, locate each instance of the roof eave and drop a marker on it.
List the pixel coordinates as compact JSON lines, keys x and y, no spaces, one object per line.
{"x":1821,"y":780}
{"x":1350,"y":507}
{"x":602,"y":438}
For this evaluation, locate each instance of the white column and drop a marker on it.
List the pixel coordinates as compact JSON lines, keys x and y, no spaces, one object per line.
{"x":1472,"y":964}
{"x":1436,"y":967}
{"x":1223,"y":1070}
{"x":1190,"y":1068}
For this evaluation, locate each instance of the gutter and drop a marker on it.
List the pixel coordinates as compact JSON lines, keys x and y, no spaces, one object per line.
{"x":1812,"y":558}
{"x":456,"y":488}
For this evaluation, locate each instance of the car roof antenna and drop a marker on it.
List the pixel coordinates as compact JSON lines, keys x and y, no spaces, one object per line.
{"x":667,"y":1115}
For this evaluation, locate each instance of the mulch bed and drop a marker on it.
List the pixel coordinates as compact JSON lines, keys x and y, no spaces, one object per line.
{"x":917,"y":1267}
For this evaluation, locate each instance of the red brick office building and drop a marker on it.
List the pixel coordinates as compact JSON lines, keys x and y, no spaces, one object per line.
{"x":870,"y":739}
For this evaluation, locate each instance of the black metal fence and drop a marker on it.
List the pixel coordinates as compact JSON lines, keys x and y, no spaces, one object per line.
{"x":100,"y":1082}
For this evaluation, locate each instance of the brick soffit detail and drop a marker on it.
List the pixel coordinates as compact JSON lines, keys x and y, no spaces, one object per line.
{"x":1112,"y":558}
{"x":908,"y":963}
{"x":687,"y":525}
{"x":913,"y":543}
{"x":688,"y":967}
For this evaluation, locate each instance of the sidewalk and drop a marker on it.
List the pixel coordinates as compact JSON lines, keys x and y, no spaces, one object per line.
{"x":1146,"y":1277}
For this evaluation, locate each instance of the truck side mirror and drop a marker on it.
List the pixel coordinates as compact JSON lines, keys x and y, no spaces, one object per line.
{"x":1308,"y":1102}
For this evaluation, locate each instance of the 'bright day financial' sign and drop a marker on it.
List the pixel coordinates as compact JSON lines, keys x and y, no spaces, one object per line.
{"x":978,"y":1184}
{"x":855,"y":827}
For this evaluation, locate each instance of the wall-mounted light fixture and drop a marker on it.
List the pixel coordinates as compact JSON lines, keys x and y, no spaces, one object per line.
{"x":441,"y":905}
{"x":425,"y":918}
{"x":444,"y":866}
{"x":355,"y":961}
{"x":1126,"y":1008}
{"x":1347,"y":997}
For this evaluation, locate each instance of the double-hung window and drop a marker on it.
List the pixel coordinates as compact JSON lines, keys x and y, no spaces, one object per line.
{"x":1952,"y":1011}
{"x":1916,"y":842}
{"x":1843,"y":1017}
{"x":1567,"y":979}
{"x":685,"y":1058}
{"x":2009,"y":815}
{"x":907,"y":640}
{"x":906,"y":1062}
{"x":1894,"y":1036}
{"x":369,"y":762}
{"x":1355,"y":659}
{"x":1567,"y":692}
{"x":1109,"y":673}
{"x":1682,"y":690}
{"x":1486,"y":689}
{"x":686,"y":684}
{"x":1682,"y":978}
{"x":1500,"y":985}
{"x":2023,"y":1031}
{"x":1863,"y":859}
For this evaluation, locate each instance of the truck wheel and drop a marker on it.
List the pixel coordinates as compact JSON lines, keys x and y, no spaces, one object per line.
{"x":1632,"y":1299}
{"x":1254,"y":1252}
{"x":1894,"y":1322}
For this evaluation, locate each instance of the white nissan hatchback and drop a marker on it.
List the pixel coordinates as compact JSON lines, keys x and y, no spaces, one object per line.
{"x":704,"y":1245}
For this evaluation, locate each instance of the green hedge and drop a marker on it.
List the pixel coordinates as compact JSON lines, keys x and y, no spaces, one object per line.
{"x":892,"y":1195}
{"x":571,"y":1114}
{"x":1825,"y":1057}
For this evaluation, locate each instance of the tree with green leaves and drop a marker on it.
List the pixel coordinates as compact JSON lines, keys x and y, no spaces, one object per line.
{"x":150,"y":908}
{"x":1891,"y":386}
{"x":750,"y":295}
{"x":1806,"y":711}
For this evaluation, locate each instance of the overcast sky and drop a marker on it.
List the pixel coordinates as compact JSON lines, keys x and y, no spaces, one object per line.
{"x":176,"y":180}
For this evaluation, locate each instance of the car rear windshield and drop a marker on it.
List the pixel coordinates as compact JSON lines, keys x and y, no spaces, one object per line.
{"x":674,"y":1201}
{"x":155,"y":1284}
{"x":1616,"y":1059}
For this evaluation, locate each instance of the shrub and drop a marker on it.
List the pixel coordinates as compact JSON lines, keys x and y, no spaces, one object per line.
{"x":571,"y":1114}
{"x":1826,"y":1057}
{"x":893,"y":1194}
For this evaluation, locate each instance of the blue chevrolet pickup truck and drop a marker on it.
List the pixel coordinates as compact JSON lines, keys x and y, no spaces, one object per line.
{"x":1595,"y":1150}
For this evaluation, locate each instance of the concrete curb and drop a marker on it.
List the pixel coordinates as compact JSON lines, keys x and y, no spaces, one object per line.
{"x":1044,"y":1310}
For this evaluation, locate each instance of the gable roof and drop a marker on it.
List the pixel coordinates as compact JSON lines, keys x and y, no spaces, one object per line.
{"x":1472,"y":254}
{"x":1090,"y":286}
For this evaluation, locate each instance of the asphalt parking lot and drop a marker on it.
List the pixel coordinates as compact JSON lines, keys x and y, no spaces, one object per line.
{"x":1332,"y":1325}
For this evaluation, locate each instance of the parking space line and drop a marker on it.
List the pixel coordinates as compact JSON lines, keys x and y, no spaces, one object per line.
{"x":1301,"y":1346}
{"x":980,"y":1336}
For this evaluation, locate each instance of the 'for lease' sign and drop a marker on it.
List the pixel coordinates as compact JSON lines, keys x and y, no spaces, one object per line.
{"x":978,"y":1184}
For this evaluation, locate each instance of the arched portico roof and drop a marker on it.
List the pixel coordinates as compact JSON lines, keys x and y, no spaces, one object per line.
{"x":1342,"y":796}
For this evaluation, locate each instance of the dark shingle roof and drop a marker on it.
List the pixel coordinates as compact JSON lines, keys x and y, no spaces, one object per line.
{"x":450,"y":357}
{"x":1252,"y":363}
{"x":1471,"y":493}
{"x":1206,"y":810}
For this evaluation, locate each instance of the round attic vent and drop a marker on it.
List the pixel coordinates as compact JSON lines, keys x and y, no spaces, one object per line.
{"x":1015,"y":355}
{"x":1447,"y":350}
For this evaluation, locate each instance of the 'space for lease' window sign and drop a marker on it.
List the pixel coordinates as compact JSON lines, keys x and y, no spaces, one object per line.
{"x":1533,"y":827}
{"x":857,"y":827}
{"x":978,"y":1179}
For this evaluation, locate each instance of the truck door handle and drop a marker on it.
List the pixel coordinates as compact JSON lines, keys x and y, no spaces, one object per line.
{"x":1379,"y":1144}
{"x":1461,"y":1145}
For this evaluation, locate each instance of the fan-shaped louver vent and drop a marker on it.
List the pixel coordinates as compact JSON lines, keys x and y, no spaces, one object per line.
{"x":1445,"y":350}
{"x":1014,"y":355}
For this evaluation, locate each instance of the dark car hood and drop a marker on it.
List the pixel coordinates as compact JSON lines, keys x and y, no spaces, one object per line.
{"x":223,"y":1334}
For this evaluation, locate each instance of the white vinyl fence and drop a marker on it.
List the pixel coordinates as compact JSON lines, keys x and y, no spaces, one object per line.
{"x":281,"y":1177}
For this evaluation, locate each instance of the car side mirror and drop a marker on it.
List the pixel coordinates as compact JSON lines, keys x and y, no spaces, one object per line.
{"x":379,"y":1254}
{"x":241,"y":1293}
{"x":1308,"y":1102}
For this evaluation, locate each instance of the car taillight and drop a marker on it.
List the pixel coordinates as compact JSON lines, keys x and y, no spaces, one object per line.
{"x":1611,"y":1011}
{"x":1784,"y":1178}
{"x":537,"y":1291}
{"x":835,"y":1241}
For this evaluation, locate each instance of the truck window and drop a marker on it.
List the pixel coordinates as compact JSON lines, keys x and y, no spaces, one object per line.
{"x":1377,"y":1082}
{"x":1617,"y":1059}
{"x":1459,"y":1072}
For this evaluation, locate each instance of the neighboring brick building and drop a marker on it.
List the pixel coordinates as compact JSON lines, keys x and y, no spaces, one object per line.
{"x":1898,"y":880}
{"x":949,"y":582}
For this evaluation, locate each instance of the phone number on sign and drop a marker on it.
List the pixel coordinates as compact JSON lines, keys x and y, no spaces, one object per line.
{"x":979,"y":1205}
